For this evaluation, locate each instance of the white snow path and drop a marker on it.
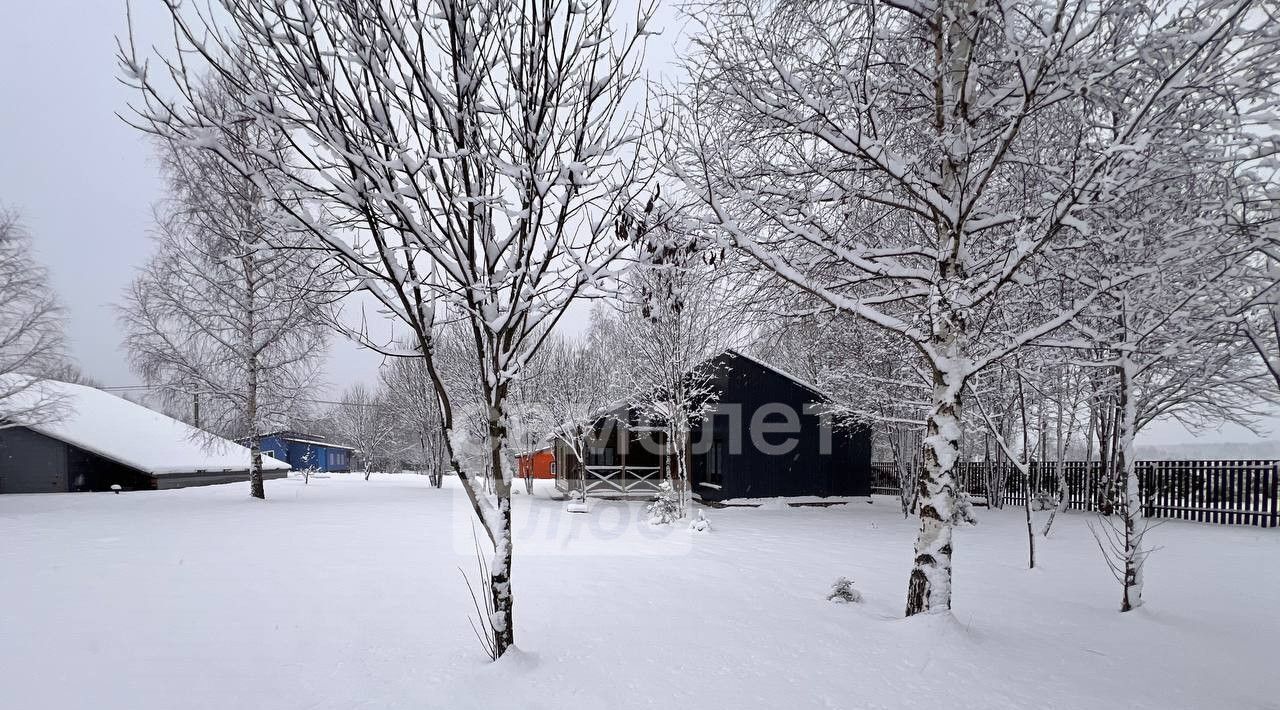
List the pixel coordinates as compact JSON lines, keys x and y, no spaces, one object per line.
{"x":346,"y":594}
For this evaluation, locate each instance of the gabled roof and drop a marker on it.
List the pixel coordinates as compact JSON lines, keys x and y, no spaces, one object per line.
{"x":132,"y":435}
{"x":628,"y":402}
{"x":779,"y":371}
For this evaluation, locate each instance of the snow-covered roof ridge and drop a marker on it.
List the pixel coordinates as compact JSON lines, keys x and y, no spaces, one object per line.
{"x":782,"y":372}
{"x":300,"y":438}
{"x":130,"y":434}
{"x":316,"y":442}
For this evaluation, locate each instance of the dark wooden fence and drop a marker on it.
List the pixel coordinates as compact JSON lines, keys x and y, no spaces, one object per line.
{"x":1226,"y":492}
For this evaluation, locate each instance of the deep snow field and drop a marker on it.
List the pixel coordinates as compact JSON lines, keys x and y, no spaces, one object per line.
{"x":347,"y":594}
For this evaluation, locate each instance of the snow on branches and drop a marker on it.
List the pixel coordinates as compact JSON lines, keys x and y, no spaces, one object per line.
{"x":936,"y":168}
{"x":475,"y":159}
{"x":31,"y":338}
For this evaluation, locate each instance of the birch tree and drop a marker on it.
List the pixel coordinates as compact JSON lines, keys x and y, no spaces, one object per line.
{"x":228,"y":311}
{"x":1176,"y":352}
{"x":477,"y":157}
{"x":1067,"y":389}
{"x":31,"y":340}
{"x":1020,"y":453}
{"x":876,"y":155}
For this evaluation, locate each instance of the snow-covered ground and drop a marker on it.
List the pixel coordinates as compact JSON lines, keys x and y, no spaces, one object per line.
{"x":347,"y":594}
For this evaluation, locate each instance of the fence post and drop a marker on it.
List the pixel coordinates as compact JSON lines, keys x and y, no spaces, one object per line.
{"x":1275,"y":495}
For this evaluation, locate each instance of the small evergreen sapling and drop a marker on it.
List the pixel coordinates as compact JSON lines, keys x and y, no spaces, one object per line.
{"x":666,"y":508}
{"x":843,"y":592}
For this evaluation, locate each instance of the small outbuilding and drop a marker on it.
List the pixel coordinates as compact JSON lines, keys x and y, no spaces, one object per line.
{"x":311,"y":452}
{"x":97,"y":440}
{"x":768,"y":434}
{"x":537,"y":464}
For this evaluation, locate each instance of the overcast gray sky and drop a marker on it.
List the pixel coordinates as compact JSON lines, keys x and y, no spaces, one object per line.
{"x":84,"y":181}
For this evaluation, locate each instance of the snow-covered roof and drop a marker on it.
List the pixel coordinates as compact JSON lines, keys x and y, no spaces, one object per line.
{"x":316,"y":442}
{"x":312,"y":439}
{"x":130,"y":434}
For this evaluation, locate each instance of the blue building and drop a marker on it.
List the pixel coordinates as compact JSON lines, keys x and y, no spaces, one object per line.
{"x":307,"y":451}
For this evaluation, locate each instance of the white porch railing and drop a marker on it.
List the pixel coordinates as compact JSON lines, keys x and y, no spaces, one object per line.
{"x":619,"y":480}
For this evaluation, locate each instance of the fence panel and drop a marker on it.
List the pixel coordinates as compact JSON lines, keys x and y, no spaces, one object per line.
{"x":1235,"y":492}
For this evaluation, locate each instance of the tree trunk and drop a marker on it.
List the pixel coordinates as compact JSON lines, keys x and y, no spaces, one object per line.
{"x":1065,"y":433}
{"x":503,"y":618}
{"x":1031,"y":535}
{"x":676,"y":444}
{"x":1108,"y":444}
{"x":903,"y":469}
{"x":1064,"y":497}
{"x":1028,"y":485}
{"x":1131,"y":509}
{"x":256,"y":488}
{"x":929,"y":587}
{"x":255,"y":469}
{"x":435,"y":476}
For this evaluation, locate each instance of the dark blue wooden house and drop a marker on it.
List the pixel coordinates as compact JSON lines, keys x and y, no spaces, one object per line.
{"x":307,"y":451}
{"x":769,"y":434}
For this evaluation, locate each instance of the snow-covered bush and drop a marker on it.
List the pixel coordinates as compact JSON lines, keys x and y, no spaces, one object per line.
{"x":963,"y":512}
{"x":666,"y":508}
{"x":843,"y":592}
{"x":700,"y":524}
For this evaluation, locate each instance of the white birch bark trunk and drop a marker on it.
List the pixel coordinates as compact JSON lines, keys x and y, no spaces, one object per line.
{"x":1134,"y":525}
{"x":256,"y":489}
{"x":678,"y":439}
{"x":929,"y":587}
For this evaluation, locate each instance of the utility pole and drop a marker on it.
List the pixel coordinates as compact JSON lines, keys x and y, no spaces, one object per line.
{"x":196,"y":409}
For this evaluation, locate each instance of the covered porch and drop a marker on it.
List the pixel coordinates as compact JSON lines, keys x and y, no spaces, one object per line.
{"x":626,"y":459}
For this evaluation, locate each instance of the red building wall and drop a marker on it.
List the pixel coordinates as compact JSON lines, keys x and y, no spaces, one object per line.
{"x":538,"y":464}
